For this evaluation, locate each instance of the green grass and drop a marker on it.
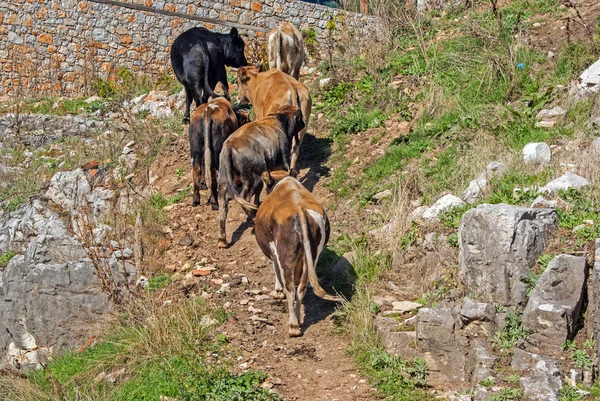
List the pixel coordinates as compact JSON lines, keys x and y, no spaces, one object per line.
{"x":503,"y":187}
{"x":159,"y":201}
{"x":57,"y":106}
{"x":583,"y":207}
{"x":472,"y":85}
{"x":395,"y":378}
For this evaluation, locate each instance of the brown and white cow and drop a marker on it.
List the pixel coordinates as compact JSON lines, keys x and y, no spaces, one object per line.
{"x":259,"y":146}
{"x":212,"y":123}
{"x":268,"y":91}
{"x":292,"y":230}
{"x":285,"y":48}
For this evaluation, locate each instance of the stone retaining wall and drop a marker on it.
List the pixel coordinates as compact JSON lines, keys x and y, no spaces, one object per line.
{"x":62,"y":46}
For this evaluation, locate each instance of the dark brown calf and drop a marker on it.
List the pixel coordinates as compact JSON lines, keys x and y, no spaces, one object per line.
{"x":259,"y":146}
{"x":292,"y":229}
{"x":212,"y":123}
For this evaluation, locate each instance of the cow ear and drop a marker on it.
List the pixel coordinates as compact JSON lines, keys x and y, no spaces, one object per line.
{"x":243,"y":74}
{"x":266,"y":177}
{"x":234,"y":32}
{"x":294,"y":173}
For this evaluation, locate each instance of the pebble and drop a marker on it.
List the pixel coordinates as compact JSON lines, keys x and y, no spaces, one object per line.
{"x":254,"y":310}
{"x":186,"y":241}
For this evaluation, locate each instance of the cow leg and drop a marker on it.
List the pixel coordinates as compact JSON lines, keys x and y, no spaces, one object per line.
{"x":214,"y":204}
{"x":277,"y":293}
{"x":188,"y":103}
{"x":196,"y":174}
{"x":301,"y":292}
{"x":225,"y":86}
{"x":291,"y":296}
{"x":295,"y":153}
{"x":256,"y":191}
{"x":222,"y":242}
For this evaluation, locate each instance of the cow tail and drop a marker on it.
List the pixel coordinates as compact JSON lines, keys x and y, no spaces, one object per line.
{"x":206,"y":59}
{"x":226,"y":168}
{"x":279,"y":47}
{"x":310,"y":264}
{"x":208,"y":148}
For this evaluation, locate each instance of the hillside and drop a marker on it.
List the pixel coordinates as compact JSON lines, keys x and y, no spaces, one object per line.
{"x":456,"y":155}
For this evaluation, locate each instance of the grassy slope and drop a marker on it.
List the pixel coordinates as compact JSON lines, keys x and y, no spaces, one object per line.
{"x":479,"y":88}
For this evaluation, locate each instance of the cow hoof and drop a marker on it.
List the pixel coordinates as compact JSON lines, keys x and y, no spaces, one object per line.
{"x":186,"y":120}
{"x":295,"y":332}
{"x":203,"y":186}
{"x":277,"y":295}
{"x":214,"y":206}
{"x":222,"y":244}
{"x":195,"y":203}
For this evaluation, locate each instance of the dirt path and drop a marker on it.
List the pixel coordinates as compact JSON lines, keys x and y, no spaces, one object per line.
{"x":310,"y":368}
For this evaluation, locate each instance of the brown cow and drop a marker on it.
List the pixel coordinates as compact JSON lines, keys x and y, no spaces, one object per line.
{"x":212,"y":123}
{"x":292,"y":229}
{"x":268,"y":91}
{"x":285,"y":48}
{"x":259,"y":146}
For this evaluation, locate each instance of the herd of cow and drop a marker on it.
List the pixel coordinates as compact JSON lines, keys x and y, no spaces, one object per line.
{"x":237,"y":158}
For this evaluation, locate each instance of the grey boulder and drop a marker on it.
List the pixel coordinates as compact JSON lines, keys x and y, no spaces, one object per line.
{"x":554,"y":304}
{"x":499,"y":244}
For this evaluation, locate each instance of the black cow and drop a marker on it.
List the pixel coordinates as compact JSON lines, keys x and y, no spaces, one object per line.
{"x":199,"y":57}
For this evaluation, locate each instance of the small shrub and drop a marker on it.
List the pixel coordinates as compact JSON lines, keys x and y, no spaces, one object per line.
{"x":311,"y":42}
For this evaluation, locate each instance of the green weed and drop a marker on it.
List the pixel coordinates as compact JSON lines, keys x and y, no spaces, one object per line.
{"x":395,"y":378}
{"x":512,"y":332}
{"x":569,"y":393}
{"x":581,"y":359}
{"x":410,"y":238}
{"x":450,"y":218}
{"x":158,"y":282}
{"x":487,"y":382}
{"x":512,"y":379}
{"x":507,"y":394}
{"x":6,"y":257}
{"x":453,"y":240}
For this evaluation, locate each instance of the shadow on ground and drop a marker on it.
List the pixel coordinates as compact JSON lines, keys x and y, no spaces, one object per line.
{"x":337,"y":277}
{"x":314,"y":152}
